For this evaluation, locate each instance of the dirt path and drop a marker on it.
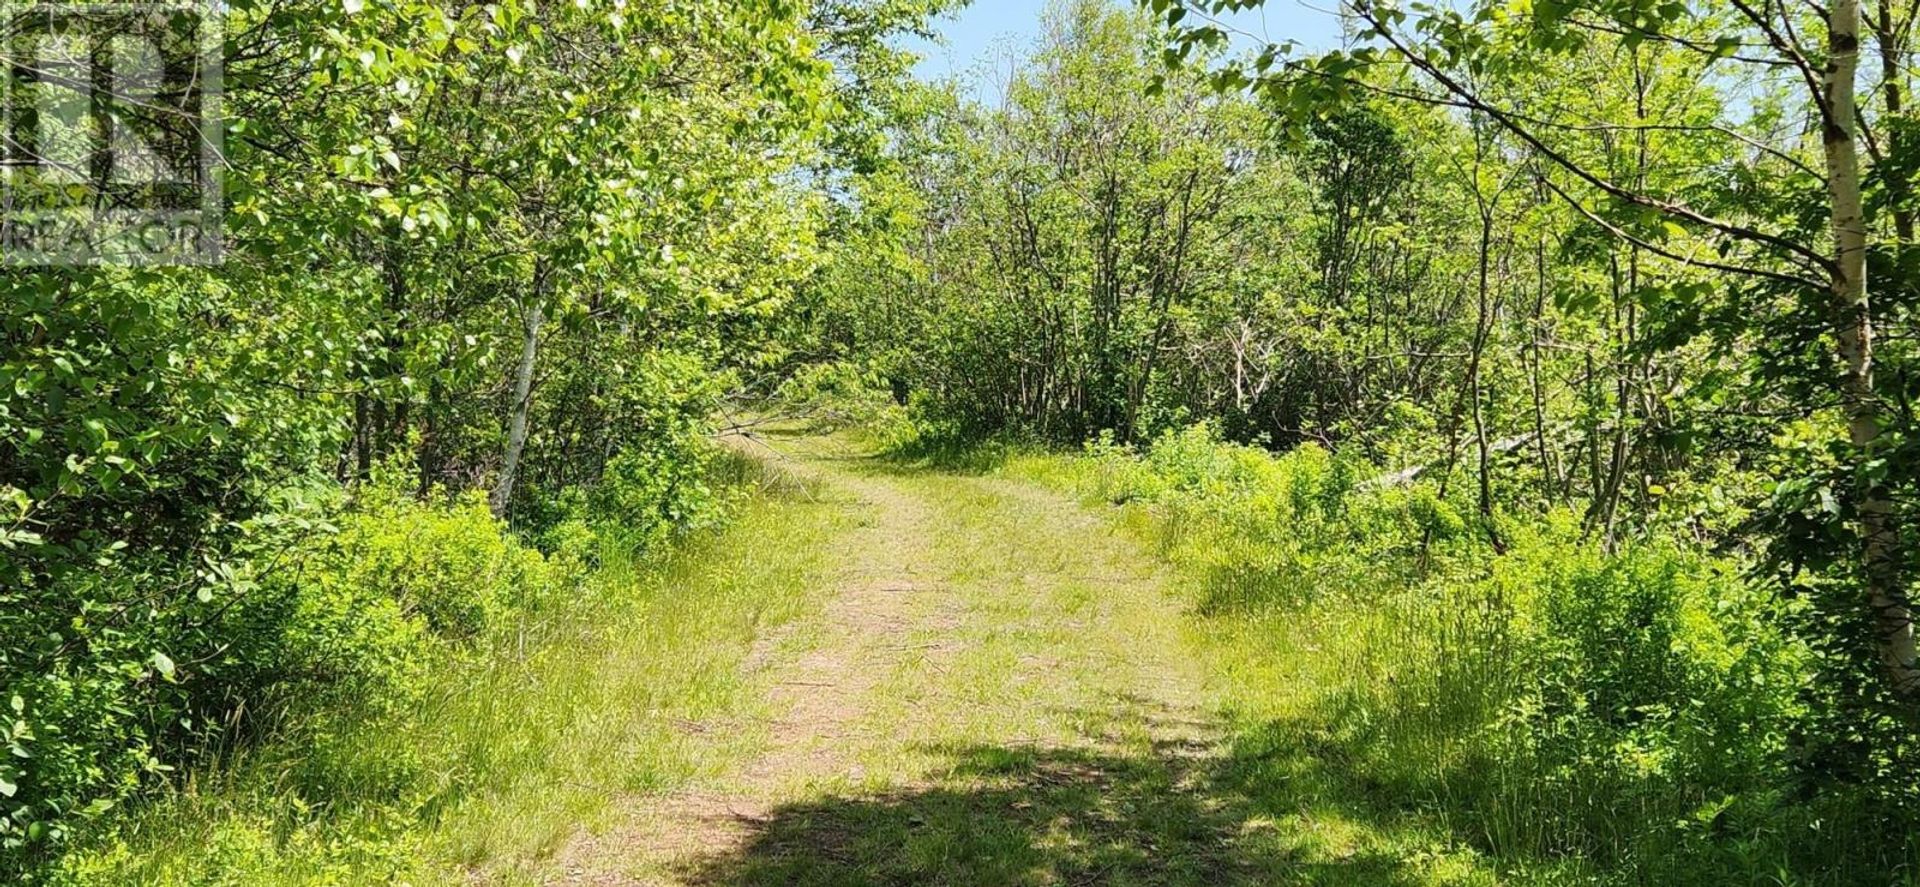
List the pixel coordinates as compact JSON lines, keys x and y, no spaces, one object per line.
{"x":994,"y":693}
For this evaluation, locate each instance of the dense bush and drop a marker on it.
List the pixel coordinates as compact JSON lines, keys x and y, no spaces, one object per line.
{"x":670,"y":481}
{"x":1271,"y":531}
{"x":327,"y":621}
{"x":1396,"y":271}
{"x":233,"y":491}
{"x":146,"y":683}
{"x":1557,"y":699}
{"x":359,"y":607}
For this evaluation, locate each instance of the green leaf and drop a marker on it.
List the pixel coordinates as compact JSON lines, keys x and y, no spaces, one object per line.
{"x":162,"y":664}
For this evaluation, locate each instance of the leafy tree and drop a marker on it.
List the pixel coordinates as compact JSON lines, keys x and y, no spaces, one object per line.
{"x":507,"y":247}
{"x":1739,"y":227}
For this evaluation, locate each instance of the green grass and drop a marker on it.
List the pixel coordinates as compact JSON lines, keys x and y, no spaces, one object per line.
{"x":637,"y":687}
{"x":1051,"y":716}
{"x":1030,"y":689}
{"x":1368,"y":725}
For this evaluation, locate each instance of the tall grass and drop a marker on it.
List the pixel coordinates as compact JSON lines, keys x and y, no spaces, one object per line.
{"x":632,"y":683}
{"x":1573,"y":714}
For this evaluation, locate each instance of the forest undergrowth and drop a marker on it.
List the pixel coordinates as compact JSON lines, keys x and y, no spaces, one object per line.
{"x":1565,"y":713}
{"x":483,"y":756}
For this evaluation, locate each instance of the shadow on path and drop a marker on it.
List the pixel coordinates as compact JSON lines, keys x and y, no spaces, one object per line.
{"x":1021,"y":815}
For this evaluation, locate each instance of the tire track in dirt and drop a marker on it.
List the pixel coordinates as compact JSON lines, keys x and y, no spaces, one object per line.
{"x":820,"y":696}
{"x":966,"y":611}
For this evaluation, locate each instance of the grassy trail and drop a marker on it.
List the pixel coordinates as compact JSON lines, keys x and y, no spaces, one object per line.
{"x":887,"y":675}
{"x":996,"y":691}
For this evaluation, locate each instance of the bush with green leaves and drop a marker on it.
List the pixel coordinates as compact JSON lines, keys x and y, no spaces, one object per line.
{"x":334,"y":608}
{"x":1271,"y":531}
{"x":179,"y":566}
{"x":1558,"y":697}
{"x":83,"y":708}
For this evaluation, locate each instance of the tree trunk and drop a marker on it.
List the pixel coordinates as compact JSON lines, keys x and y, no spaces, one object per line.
{"x":1549,"y":476}
{"x":1853,"y":334}
{"x":1893,"y":49}
{"x":1483,"y":321}
{"x":533,"y":315}
{"x":1605,"y":507}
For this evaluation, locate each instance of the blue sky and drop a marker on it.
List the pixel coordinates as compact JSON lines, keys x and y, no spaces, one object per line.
{"x":980,"y":32}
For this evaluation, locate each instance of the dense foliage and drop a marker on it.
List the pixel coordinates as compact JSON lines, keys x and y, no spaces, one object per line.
{"x":1530,"y":383}
{"x":488,"y":270}
{"x":1617,"y":433}
{"x":1567,"y":706}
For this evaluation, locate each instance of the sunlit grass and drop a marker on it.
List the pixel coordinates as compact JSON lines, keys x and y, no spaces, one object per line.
{"x":636,"y":687}
{"x":1369,"y":725}
{"x":1050,"y":722}
{"x":1060,"y":698}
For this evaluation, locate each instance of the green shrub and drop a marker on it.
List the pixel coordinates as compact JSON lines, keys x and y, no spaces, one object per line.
{"x":80,"y":711}
{"x":360,"y":609}
{"x":1649,"y":691}
{"x":450,"y":563}
{"x":1269,"y":530}
{"x":328,"y":611}
{"x":647,"y":491}
{"x":1554,"y":699}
